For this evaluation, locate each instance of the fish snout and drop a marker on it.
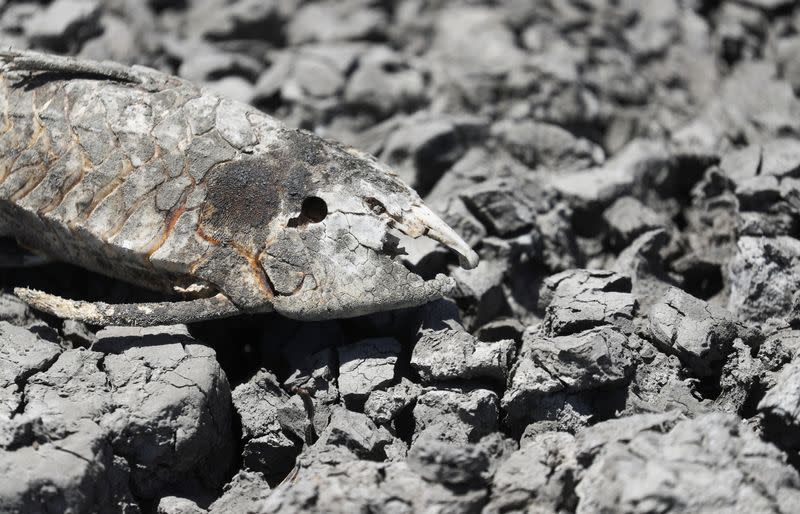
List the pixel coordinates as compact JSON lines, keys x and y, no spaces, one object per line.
{"x":421,"y":221}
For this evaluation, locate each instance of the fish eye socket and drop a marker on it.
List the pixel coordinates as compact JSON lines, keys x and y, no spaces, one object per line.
{"x":375,"y":206}
{"x":314,"y":209}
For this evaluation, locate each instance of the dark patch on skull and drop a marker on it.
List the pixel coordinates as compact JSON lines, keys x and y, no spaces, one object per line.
{"x":296,"y":185}
{"x":245,"y":196}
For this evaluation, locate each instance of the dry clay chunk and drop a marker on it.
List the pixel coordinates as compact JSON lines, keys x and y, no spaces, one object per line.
{"x":159,"y":398}
{"x":22,"y":353}
{"x":699,"y":333}
{"x":709,"y":464}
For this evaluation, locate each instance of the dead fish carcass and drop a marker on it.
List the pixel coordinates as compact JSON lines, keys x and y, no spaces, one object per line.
{"x":150,"y":179}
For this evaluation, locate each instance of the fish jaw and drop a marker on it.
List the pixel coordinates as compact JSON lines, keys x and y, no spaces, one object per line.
{"x":316,"y":307}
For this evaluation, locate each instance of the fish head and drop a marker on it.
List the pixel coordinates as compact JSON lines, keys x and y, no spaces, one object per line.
{"x":334,"y":250}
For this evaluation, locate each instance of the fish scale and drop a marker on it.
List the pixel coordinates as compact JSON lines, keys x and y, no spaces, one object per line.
{"x":149,"y":179}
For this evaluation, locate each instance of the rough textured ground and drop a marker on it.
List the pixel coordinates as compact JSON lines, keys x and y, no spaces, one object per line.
{"x":629,"y":172}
